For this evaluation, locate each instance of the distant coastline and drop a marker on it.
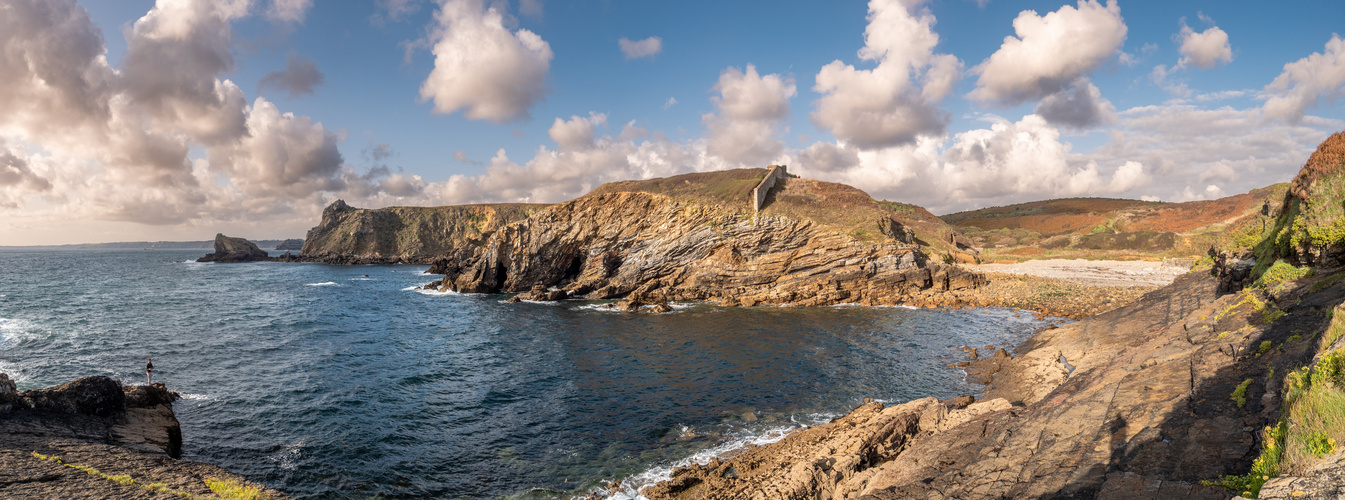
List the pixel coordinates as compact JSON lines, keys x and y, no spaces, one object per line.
{"x":138,"y":245}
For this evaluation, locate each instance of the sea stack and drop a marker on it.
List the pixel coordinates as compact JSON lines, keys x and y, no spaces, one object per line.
{"x":234,"y":250}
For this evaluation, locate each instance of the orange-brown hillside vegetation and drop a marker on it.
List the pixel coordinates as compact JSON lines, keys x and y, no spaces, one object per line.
{"x":1114,"y":228}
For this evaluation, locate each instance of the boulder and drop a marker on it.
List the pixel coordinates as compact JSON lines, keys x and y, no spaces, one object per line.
{"x":8,"y":394}
{"x":97,"y":396}
{"x":234,"y":250}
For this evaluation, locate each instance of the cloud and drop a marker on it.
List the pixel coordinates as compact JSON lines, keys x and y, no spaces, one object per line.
{"x":298,"y":78}
{"x":289,"y":11}
{"x":577,"y":133}
{"x":531,"y":8}
{"x":1307,"y":83}
{"x":1080,"y":106}
{"x":394,"y":10}
{"x":896,"y":101}
{"x":126,"y":133}
{"x":642,"y":48}
{"x":483,"y":69}
{"x":1050,"y":52}
{"x":828,"y":157}
{"x":17,"y":178}
{"x":1050,"y":60}
{"x":1205,"y":49}
{"x":670,"y":102}
{"x":749,"y":109}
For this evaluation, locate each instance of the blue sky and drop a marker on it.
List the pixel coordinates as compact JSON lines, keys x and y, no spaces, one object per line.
{"x":1085,"y":99}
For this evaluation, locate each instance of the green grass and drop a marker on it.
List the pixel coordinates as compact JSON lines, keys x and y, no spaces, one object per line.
{"x":1239,"y":395}
{"x":1333,"y":331}
{"x":224,"y":489}
{"x":122,"y":479}
{"x":1323,"y":283}
{"x":231,"y":490}
{"x":1265,"y":347}
{"x":1266,"y":466}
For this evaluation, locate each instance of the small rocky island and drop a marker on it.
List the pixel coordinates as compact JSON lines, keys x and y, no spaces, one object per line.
{"x":234,"y":250}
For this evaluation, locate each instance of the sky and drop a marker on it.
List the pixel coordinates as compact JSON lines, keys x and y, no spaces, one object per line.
{"x":134,"y":120}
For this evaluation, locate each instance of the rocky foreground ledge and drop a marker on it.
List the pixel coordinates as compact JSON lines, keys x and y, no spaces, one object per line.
{"x":1138,"y":402}
{"x":95,"y":438}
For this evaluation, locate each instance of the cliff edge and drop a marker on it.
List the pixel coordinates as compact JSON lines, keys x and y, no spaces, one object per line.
{"x":95,"y":438}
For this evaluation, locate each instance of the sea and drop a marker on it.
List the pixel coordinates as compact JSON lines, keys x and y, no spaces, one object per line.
{"x":330,"y":381}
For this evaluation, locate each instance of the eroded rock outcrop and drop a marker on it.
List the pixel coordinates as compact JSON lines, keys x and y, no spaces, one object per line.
{"x":652,"y":248}
{"x":229,"y":249}
{"x":94,"y":438}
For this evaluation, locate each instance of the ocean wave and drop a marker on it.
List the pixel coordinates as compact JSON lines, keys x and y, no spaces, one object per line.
{"x":196,"y":397}
{"x":432,"y":293}
{"x":325,"y":283}
{"x":361,"y":279}
{"x":630,"y":487}
{"x":542,"y":302}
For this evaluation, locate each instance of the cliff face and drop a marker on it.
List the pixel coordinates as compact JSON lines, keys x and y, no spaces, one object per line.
{"x":671,"y":245}
{"x":95,"y":438}
{"x":350,"y":235}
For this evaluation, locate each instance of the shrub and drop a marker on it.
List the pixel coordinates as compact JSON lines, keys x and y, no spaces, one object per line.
{"x":1265,"y":346}
{"x":1240,"y":393}
{"x":1320,"y":445}
{"x":1280,"y":272}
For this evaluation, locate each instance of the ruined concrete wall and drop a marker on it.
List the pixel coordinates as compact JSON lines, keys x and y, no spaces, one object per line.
{"x":759,"y":193}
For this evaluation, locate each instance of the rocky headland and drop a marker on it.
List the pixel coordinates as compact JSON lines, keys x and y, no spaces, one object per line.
{"x":1227,"y":382}
{"x":404,"y":235}
{"x":699,"y":237}
{"x":95,"y":438}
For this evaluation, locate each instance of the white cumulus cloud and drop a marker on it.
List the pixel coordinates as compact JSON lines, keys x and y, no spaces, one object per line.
{"x":1050,"y":59}
{"x":1204,"y":49}
{"x":896,"y":101}
{"x":635,"y":49}
{"x":1307,"y":83}
{"x":749,"y":108}
{"x":481,"y":67}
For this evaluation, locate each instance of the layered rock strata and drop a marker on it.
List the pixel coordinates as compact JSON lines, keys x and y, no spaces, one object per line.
{"x":94,"y":438}
{"x":1132,"y":403}
{"x":653,"y":249}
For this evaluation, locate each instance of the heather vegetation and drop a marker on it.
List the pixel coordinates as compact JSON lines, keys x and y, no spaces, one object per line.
{"x":1103,"y":228}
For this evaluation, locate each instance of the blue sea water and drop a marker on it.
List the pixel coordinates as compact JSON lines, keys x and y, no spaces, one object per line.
{"x":345,"y":382}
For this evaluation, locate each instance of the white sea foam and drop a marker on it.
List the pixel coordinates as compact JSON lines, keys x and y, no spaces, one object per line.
{"x":432,"y":293}
{"x":361,"y":279}
{"x":607,"y":308}
{"x":542,"y":302}
{"x":325,"y":283}
{"x":197,"y":397}
{"x":631,"y":486}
